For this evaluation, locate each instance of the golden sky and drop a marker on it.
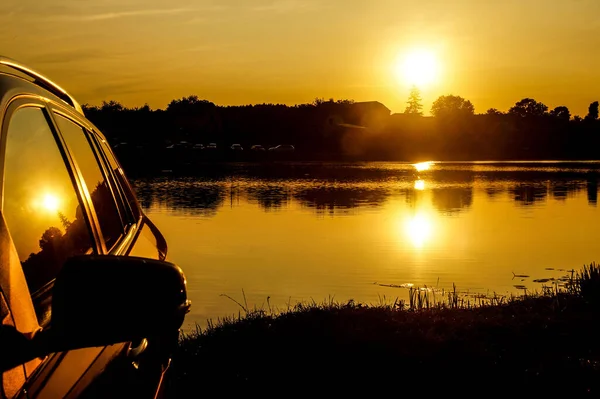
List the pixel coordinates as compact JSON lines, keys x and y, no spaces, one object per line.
{"x":291,"y":51}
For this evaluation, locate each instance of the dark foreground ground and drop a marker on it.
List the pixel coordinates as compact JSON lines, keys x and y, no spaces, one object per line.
{"x":543,"y":345}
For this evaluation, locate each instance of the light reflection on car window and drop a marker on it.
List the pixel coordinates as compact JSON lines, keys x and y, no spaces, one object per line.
{"x":100,"y":192}
{"x":40,"y":206}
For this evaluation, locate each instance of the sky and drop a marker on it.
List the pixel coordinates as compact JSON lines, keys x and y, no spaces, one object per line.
{"x":234,"y":52}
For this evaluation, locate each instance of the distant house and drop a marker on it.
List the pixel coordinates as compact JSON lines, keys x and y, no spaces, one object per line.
{"x":372,"y":114}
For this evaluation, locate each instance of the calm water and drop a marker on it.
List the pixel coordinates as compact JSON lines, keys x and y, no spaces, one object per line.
{"x":298,"y":232}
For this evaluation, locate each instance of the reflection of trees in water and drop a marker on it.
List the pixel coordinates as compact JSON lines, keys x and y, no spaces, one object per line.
{"x":592,"y":189}
{"x":332,"y":199}
{"x":493,"y":191}
{"x":196,"y":197}
{"x":269,"y":197}
{"x":528,"y":193}
{"x":331,"y":186}
{"x":412,"y":196}
{"x":206,"y":197}
{"x":531,"y":192}
{"x":452,"y":199}
{"x":563,"y":189}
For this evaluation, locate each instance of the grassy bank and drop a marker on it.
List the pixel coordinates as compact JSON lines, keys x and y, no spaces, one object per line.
{"x":541,"y":344}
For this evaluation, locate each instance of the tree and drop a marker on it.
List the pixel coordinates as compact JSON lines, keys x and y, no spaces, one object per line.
{"x":414,"y":102}
{"x":528,"y":107}
{"x":561,"y":112}
{"x":111,"y":106}
{"x":450,"y":105}
{"x":64,"y":221}
{"x":189,"y":105}
{"x":592,"y":112}
{"x":51,"y":236}
{"x":493,"y":111}
{"x":577,"y":118}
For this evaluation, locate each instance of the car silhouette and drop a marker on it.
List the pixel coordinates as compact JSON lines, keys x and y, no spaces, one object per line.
{"x":283,"y":148}
{"x":89,"y":306}
{"x":258,"y":148}
{"x":211,"y":146}
{"x":237,"y":147}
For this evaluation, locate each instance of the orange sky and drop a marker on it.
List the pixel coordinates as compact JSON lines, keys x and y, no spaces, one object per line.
{"x":291,"y":51}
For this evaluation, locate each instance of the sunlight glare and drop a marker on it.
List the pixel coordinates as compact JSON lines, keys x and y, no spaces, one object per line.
{"x":50,"y":202}
{"x":418,"y":229}
{"x":418,"y":68}
{"x":420,"y":185}
{"x":422,"y":166}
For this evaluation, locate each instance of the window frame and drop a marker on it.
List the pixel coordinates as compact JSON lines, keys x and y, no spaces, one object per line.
{"x":114,"y":192}
{"x":128,"y":217}
{"x":26,"y":101}
{"x":127,"y":191}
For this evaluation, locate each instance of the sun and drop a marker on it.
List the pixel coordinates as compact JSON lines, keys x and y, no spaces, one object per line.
{"x":418,"y":68}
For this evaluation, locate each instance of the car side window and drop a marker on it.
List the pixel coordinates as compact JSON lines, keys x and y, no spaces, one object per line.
{"x":40,"y":203}
{"x":120,"y":177}
{"x":116,"y":176}
{"x":101,"y":192}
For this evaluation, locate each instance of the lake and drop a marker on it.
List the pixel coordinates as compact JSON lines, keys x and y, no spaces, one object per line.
{"x":275,"y":234}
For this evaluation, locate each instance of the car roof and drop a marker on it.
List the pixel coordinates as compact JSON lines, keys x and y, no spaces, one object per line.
{"x":15,"y":75}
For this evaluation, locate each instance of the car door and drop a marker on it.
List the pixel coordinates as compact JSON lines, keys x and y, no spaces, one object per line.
{"x":121,"y":229}
{"x":64,"y":195}
{"x":48,"y":220}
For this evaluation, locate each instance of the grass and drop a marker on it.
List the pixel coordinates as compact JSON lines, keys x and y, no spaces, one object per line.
{"x":435,"y":343}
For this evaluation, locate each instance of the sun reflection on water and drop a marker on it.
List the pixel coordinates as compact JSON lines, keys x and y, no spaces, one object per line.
{"x":418,"y":229}
{"x":422,"y":166}
{"x":420,"y":185}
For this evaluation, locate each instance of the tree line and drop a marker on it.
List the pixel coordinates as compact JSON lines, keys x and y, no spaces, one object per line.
{"x":344,"y":129}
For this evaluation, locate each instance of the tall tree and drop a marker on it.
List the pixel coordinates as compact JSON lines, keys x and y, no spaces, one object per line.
{"x":414,"y":102}
{"x":561,"y":112}
{"x":446,"y":106}
{"x":592,"y":112}
{"x":528,"y":107}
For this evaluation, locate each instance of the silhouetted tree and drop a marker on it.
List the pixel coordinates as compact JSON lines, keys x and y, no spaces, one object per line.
{"x":64,"y":221}
{"x":143,"y":138}
{"x":145,"y":108}
{"x":528,"y":107}
{"x":493,"y":111}
{"x":592,"y":112}
{"x":111,"y":106}
{"x":49,"y":237}
{"x":577,"y":119}
{"x":561,"y":112}
{"x":414,"y":102}
{"x":450,"y":105}
{"x":188,"y":105}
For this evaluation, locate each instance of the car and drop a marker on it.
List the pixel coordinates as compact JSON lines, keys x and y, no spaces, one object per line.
{"x":237,"y":147}
{"x":198,"y":147}
{"x":211,"y":146}
{"x":257,"y":147}
{"x":89,"y":306}
{"x":283,"y":148}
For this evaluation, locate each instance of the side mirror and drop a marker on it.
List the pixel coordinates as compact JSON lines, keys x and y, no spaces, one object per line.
{"x":104,"y":300}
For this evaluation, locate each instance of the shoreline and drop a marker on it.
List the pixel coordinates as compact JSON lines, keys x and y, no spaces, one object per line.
{"x":543,"y":344}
